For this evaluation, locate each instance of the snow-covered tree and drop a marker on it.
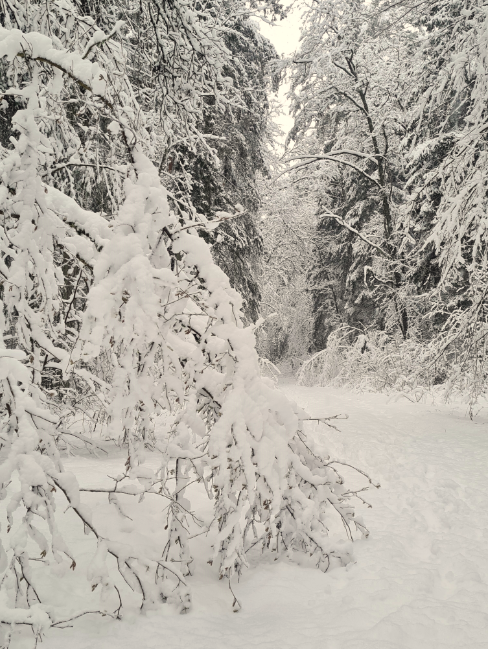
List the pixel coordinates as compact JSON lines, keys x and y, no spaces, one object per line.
{"x":151,"y":306}
{"x":348,"y":83}
{"x":241,"y":134}
{"x":446,"y":217}
{"x":287,"y":224}
{"x":391,"y":119}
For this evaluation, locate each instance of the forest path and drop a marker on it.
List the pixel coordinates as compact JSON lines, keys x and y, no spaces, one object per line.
{"x":421,"y":579}
{"x":419,"y":582}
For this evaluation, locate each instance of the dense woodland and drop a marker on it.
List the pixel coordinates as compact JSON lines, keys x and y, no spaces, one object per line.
{"x":152,"y":229}
{"x":386,"y":166}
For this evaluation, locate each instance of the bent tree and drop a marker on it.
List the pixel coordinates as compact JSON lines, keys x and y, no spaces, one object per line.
{"x":124,"y":311}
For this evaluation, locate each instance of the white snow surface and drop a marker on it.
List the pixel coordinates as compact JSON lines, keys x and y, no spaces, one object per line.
{"x":420,"y":581}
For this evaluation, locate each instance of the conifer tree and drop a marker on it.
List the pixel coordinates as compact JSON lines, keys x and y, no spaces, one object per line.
{"x":347,"y":96}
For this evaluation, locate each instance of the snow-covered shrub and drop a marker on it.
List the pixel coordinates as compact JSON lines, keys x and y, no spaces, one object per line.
{"x":461,"y":347}
{"x":455,"y":365}
{"x":374,"y":361}
{"x":159,"y":345}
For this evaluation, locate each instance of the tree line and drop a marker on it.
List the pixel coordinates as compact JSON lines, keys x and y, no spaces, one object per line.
{"x":389,"y":143}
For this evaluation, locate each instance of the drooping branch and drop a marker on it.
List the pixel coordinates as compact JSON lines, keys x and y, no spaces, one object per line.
{"x":356,"y":232}
{"x":310,"y":159}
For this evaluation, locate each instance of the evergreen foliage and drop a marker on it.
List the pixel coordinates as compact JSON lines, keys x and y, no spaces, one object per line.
{"x":389,"y":101}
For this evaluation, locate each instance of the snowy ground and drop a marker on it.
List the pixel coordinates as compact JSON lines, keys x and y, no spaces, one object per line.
{"x":419,"y":582}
